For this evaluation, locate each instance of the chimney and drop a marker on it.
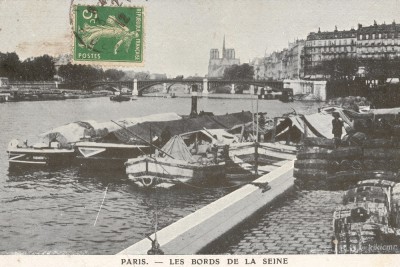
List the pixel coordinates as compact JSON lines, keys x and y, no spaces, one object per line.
{"x":193,"y":112}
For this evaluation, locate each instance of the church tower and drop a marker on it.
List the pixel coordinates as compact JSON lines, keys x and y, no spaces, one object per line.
{"x":217,"y":65}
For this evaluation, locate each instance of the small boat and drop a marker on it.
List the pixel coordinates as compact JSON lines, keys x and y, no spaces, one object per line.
{"x":177,"y":163}
{"x":38,"y":155}
{"x":172,"y":95}
{"x":120,"y":98}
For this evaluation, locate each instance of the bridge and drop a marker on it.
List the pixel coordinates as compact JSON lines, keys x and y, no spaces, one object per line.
{"x":204,"y":85}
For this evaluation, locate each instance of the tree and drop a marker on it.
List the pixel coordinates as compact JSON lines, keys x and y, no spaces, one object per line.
{"x":10,"y":66}
{"x":114,"y":75}
{"x":239,"y":72}
{"x":80,"y":75}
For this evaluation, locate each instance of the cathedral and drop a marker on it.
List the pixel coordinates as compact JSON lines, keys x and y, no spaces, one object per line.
{"x":217,"y":65}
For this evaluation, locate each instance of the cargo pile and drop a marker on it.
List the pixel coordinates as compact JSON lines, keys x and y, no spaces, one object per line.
{"x":368,"y":221}
{"x":319,"y":164}
{"x":350,"y":102}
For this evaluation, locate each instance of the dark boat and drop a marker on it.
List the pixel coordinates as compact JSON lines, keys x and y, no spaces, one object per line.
{"x":98,"y":156}
{"x":38,"y":155}
{"x":120,"y":98}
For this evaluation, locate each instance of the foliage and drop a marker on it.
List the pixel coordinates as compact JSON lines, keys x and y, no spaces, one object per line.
{"x":113,"y":75}
{"x":239,"y":72}
{"x":42,"y":68}
{"x":10,"y":65}
{"x":38,"y":69}
{"x":346,"y":68}
{"x":381,"y":69}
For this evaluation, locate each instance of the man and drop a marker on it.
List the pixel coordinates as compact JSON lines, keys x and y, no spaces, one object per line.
{"x":165,"y":136}
{"x":337,"y":125}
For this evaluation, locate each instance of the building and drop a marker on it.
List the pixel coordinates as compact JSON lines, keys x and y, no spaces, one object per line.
{"x":378,"y":41}
{"x":294,"y":60}
{"x":325,"y":46}
{"x":259,"y":68}
{"x":280,"y":65}
{"x":217,"y":65}
{"x":370,"y":42}
{"x":274,"y":66}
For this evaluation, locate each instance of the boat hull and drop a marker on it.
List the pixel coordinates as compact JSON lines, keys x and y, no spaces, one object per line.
{"x":120,"y":98}
{"x":173,"y":171}
{"x":107,"y":156}
{"x":39,"y":158}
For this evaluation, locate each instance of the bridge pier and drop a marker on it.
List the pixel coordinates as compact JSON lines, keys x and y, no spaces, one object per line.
{"x":251,"y":90}
{"x":165,"y":88}
{"x":135,"y":91}
{"x":233,"y":88}
{"x":205,"y":87}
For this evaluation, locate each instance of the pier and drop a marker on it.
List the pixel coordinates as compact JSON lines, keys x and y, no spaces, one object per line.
{"x":195,"y":232}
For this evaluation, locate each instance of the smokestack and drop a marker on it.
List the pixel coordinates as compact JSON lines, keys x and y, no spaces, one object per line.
{"x":193,"y":112}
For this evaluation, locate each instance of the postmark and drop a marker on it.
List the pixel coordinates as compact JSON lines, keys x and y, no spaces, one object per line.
{"x":108,"y":34}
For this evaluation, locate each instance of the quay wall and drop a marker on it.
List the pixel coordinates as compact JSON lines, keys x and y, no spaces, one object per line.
{"x":194,"y":232}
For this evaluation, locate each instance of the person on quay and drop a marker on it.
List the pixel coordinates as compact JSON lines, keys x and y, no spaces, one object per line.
{"x":337,"y":126}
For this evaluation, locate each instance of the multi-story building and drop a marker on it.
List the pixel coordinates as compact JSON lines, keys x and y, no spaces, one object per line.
{"x":259,"y":68}
{"x":294,"y":57}
{"x":217,"y":65}
{"x":285,"y":64}
{"x":370,"y":42}
{"x":320,"y":55}
{"x":378,"y":41}
{"x":274,"y":65}
{"x":325,"y":46}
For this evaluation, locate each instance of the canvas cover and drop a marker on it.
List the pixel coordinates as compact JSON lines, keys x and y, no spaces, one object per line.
{"x":151,"y":130}
{"x":177,"y":148}
{"x":69,"y":133}
{"x":126,"y":122}
{"x":318,"y":124}
{"x":75,"y":131}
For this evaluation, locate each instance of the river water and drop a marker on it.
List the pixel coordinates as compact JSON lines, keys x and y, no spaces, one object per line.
{"x":53,"y":212}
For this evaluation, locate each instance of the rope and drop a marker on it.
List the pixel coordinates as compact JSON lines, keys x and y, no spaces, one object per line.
{"x":98,"y":213}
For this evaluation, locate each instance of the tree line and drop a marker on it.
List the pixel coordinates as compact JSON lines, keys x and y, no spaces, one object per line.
{"x":379,"y":69}
{"x":43,"y":68}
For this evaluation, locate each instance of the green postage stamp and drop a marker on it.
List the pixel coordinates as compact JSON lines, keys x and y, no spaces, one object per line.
{"x":107,"y":34}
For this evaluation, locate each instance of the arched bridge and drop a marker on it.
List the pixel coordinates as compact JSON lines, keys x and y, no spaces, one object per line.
{"x":139,"y":86}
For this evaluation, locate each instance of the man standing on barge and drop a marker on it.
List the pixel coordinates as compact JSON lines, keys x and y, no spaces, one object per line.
{"x":337,"y":125}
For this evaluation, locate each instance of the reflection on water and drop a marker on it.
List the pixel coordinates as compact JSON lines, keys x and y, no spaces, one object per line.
{"x":53,"y":211}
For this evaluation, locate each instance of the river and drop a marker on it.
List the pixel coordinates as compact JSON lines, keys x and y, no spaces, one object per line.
{"x":53,"y":212}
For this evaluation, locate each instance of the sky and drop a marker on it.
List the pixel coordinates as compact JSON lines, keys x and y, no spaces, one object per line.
{"x":180,"y":33}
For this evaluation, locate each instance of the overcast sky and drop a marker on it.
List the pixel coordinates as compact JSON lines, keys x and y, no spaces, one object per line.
{"x":180,"y":33}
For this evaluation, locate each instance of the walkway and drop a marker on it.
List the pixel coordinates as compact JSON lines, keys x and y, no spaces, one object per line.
{"x":301,"y":223}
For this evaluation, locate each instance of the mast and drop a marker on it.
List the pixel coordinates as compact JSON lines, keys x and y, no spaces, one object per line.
{"x":223,"y":48}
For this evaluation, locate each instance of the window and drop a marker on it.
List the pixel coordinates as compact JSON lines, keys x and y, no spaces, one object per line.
{"x":366,"y":36}
{"x":373,"y":36}
{"x":380,"y":36}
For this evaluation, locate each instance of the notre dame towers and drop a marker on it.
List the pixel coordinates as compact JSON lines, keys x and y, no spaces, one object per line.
{"x":217,"y":65}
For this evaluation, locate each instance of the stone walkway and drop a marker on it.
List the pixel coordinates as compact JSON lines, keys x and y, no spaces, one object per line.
{"x":299,"y":223}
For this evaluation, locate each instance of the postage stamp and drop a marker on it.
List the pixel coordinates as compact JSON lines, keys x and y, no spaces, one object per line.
{"x":108,"y":34}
